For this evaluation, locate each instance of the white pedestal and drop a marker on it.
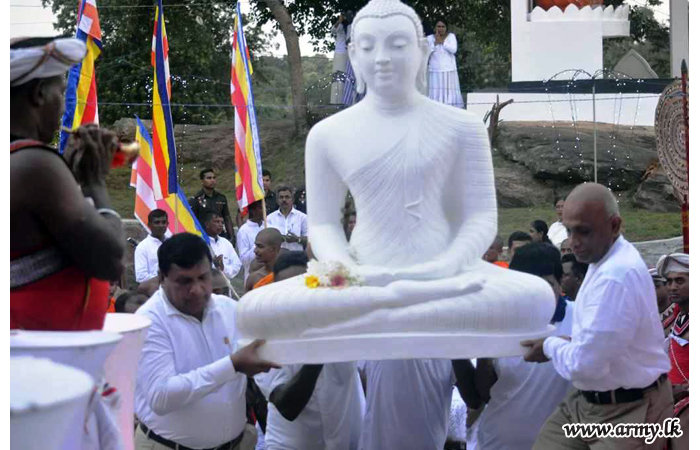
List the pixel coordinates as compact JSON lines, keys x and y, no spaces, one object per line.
{"x":121,"y":365}
{"x":44,"y":398}
{"x":85,"y":350}
{"x":395,"y":346}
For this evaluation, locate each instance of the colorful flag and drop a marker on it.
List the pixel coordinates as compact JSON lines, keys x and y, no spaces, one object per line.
{"x":145,"y":202}
{"x":249,"y":187}
{"x":164,"y":154}
{"x":81,"y":88}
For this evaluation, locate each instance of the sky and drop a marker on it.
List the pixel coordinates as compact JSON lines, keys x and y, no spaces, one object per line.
{"x":29,"y":18}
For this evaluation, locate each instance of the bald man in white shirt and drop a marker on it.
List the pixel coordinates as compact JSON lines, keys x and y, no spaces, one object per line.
{"x":191,"y":379}
{"x":615,"y":356}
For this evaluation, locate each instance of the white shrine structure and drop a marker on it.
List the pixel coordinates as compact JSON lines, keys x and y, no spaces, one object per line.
{"x":552,"y":48}
{"x":544,"y":43}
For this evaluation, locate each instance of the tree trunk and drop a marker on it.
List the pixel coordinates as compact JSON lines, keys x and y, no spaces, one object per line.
{"x":296,"y":74}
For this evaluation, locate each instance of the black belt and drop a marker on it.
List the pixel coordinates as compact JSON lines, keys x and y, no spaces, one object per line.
{"x":175,"y":446}
{"x":620,"y":395}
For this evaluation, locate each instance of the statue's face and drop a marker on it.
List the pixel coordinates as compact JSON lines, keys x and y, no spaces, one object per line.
{"x":387,"y":54}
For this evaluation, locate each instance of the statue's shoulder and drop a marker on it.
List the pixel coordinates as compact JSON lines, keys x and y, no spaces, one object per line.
{"x":451,"y":120}
{"x":334,"y":126}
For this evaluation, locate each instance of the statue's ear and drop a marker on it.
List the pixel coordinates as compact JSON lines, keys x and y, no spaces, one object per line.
{"x":421,"y":78}
{"x":359,"y":81}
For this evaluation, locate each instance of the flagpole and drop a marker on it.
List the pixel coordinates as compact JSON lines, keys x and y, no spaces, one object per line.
{"x":264,"y":212}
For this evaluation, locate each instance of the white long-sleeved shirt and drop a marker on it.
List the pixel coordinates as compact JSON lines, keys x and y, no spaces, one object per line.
{"x":522,"y":398}
{"x":245,"y":240}
{"x":222,"y":246}
{"x":408,"y":404}
{"x":442,"y":57}
{"x":617,"y":339}
{"x":146,"y":259}
{"x":557,"y":233}
{"x":332,"y":419}
{"x":186,"y":387}
{"x":294,"y":222}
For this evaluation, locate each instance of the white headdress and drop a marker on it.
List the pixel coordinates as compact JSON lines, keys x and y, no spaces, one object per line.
{"x":675,"y":262}
{"x":655,"y":275}
{"x":44,"y":61}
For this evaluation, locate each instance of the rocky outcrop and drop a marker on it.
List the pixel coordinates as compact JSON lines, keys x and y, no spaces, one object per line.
{"x":564,"y":153}
{"x":655,"y":193}
{"x":516,"y":188}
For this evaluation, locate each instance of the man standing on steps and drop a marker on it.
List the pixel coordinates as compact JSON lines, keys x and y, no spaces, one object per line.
{"x":245,"y":239}
{"x":146,"y":253}
{"x":289,"y":221}
{"x":223,"y":255}
{"x":270,"y":197}
{"x":208,"y":199}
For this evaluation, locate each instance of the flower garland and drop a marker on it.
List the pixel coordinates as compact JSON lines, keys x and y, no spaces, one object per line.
{"x":329,"y":275}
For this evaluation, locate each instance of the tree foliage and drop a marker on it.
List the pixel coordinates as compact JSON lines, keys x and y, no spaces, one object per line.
{"x":199,"y":37}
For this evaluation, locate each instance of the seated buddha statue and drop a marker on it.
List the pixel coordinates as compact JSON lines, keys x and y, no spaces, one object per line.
{"x":421,"y":176}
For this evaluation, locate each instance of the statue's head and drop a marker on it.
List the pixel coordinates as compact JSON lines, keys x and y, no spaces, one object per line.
{"x":388,"y":50}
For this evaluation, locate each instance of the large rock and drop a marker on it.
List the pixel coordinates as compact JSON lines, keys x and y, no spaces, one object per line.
{"x":655,"y":193}
{"x":564,"y":152}
{"x":516,"y":188}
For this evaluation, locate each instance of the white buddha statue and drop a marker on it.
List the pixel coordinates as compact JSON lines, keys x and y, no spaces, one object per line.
{"x":421,"y":175}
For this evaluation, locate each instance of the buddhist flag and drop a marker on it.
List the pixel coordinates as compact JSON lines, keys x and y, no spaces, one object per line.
{"x":164,"y":154}
{"x":249,"y":187}
{"x":81,"y":89}
{"x":145,"y":202}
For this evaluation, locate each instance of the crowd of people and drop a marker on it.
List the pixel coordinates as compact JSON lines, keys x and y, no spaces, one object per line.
{"x":607,"y":363}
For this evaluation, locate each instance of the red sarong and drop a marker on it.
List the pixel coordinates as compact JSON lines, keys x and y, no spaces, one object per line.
{"x":68,"y":300}
{"x":64,"y":300}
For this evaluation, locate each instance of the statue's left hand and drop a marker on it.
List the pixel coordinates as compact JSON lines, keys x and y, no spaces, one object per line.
{"x":377,"y":276}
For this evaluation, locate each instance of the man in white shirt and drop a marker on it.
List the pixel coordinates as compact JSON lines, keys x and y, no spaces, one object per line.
{"x":224,"y":256}
{"x":289,"y":221}
{"x":615,"y":356}
{"x":408,"y":402}
{"x":557,"y":230}
{"x":146,"y":253}
{"x":522,"y":395}
{"x":245,"y":239}
{"x":191,"y":378}
{"x":311,"y":406}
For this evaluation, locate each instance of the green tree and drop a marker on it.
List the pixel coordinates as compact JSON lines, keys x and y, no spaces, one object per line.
{"x":199,"y":38}
{"x":649,"y":37}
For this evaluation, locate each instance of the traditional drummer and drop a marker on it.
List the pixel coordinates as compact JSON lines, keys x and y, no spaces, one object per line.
{"x":66,"y":241}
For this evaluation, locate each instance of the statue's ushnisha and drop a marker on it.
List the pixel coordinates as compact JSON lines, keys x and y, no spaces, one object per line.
{"x":422,"y":179}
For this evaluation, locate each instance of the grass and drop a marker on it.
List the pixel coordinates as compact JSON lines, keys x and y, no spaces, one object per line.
{"x":638,"y":224}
